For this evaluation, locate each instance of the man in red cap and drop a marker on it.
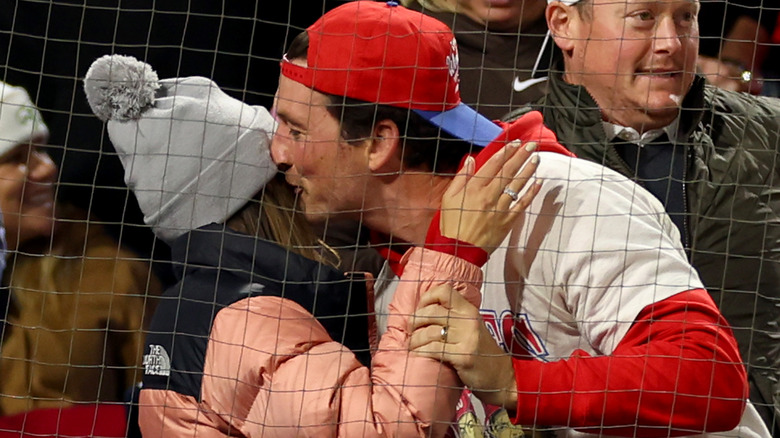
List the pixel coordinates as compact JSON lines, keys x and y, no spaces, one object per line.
{"x":594,"y":321}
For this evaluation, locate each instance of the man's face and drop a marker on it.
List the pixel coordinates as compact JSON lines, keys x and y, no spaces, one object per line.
{"x":637,"y":58}
{"x":329,"y":174}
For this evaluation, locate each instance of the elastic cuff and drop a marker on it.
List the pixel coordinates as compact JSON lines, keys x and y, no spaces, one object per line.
{"x":462,"y":250}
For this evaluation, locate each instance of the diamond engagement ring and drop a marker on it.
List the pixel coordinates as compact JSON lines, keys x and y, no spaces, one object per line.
{"x":512,"y":194}
{"x":444,"y":330}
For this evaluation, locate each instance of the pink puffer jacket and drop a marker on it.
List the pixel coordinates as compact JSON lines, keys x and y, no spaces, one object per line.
{"x":272,"y":370}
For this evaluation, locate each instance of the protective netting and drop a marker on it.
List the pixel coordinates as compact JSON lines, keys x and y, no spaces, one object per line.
{"x":79,"y":291}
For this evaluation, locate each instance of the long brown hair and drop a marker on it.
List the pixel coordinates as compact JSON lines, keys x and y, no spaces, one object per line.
{"x":272,"y":215}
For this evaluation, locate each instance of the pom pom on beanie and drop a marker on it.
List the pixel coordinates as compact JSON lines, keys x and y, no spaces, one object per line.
{"x":120,"y":87}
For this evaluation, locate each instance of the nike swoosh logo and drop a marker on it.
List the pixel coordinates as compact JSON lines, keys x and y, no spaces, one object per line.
{"x":519,"y":85}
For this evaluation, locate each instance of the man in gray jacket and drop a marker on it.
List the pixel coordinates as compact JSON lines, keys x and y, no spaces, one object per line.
{"x":626,"y":95}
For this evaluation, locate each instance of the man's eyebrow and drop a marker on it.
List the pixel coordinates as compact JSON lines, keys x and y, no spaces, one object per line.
{"x":289,"y":120}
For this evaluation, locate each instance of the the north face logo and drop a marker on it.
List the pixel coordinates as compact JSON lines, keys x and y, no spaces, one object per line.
{"x":157,"y":362}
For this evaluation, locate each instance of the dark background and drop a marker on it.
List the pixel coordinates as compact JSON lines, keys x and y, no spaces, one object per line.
{"x":47,"y":47}
{"x":716,"y":17}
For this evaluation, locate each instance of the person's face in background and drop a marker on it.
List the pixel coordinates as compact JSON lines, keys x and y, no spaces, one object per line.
{"x":27,"y":177}
{"x":503,"y":15}
{"x":637,"y":58}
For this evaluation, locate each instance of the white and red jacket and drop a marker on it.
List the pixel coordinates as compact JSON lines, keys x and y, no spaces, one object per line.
{"x":610,"y":328}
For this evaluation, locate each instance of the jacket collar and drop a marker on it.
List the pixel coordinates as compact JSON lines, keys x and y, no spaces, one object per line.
{"x":215,"y":245}
{"x":573,"y":103}
{"x":631,"y":135}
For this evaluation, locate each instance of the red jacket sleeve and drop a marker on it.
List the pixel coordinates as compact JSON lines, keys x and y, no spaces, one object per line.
{"x":677,"y":371}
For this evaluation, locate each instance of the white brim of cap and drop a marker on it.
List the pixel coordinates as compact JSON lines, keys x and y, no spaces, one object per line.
{"x":464,"y":123}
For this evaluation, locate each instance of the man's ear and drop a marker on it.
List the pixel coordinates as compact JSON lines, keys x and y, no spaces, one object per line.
{"x":563,"y":20}
{"x":384,"y":148}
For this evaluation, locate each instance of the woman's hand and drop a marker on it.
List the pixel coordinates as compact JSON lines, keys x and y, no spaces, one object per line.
{"x":448,"y":328}
{"x":480,"y":207}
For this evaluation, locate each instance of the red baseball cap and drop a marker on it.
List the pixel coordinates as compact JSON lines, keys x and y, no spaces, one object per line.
{"x":387,"y":54}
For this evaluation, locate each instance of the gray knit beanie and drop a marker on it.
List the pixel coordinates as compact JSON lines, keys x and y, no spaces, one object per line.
{"x":192,"y":154}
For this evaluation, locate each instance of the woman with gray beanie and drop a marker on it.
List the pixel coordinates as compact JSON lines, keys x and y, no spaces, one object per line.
{"x":262,"y":334}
